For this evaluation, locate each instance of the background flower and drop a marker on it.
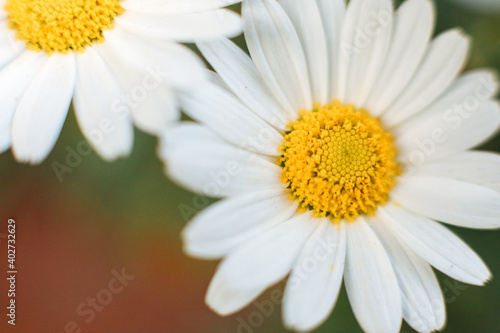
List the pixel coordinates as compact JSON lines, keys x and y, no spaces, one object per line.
{"x":120,"y":63}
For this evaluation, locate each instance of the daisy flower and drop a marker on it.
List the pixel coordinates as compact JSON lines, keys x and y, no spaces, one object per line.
{"x":336,"y":148}
{"x":120,"y":62}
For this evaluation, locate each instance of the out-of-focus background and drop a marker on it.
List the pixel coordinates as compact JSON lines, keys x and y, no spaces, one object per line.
{"x":98,"y":221}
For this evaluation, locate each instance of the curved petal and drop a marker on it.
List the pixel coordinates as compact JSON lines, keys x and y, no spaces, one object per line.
{"x":10,"y":47}
{"x":225,"y":300}
{"x":156,"y":72}
{"x":277,"y":53}
{"x":225,"y":115}
{"x":306,"y":18}
{"x":370,"y":281}
{"x":269,"y":257}
{"x":451,"y":201}
{"x":446,"y":133}
{"x":106,"y":126}
{"x":43,"y":108}
{"x":476,"y":167}
{"x":164,"y":62}
{"x":225,"y":171}
{"x":215,"y":78}
{"x":332,"y":15}
{"x":423,"y":302}
{"x":413,"y":26}
{"x":157,"y":112}
{"x":314,"y":284}
{"x":230,"y":222}
{"x":149,"y":97}
{"x":464,"y":93}
{"x":435,"y":244}
{"x":445,"y":58}
{"x":175,"y":6}
{"x":3,"y":13}
{"x":14,"y":81}
{"x":365,"y":40}
{"x":241,"y":76}
{"x":184,"y":27}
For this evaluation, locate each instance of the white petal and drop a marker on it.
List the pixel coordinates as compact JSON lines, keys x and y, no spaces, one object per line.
{"x":413,"y":26}
{"x":225,"y":170}
{"x":186,"y":27}
{"x":423,"y":302}
{"x":370,"y":281}
{"x":106,"y":126}
{"x":43,"y":108}
{"x":3,"y":13}
{"x":14,"y":80}
{"x":461,"y":119}
{"x":480,"y":168}
{"x":438,"y":137}
{"x":158,"y":111}
{"x":225,"y":115}
{"x":240,"y":74}
{"x":10,"y":47}
{"x":332,"y":15}
{"x":445,"y":58}
{"x":306,"y":18}
{"x":451,"y":201}
{"x":314,"y":284}
{"x":365,"y":40}
{"x":231,"y":222}
{"x":149,"y":97}
{"x":175,"y":6}
{"x":467,"y":90}
{"x":164,"y":62}
{"x":277,"y":53}
{"x":225,"y":300}
{"x":435,"y":244}
{"x":215,"y":78}
{"x":269,"y":257}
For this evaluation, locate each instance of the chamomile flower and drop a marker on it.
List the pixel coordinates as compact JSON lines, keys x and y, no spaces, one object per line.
{"x":120,"y":62}
{"x":336,"y":148}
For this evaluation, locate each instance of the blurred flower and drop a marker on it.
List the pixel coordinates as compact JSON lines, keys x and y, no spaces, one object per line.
{"x":485,"y":6}
{"x":120,"y":62}
{"x":351,"y":186}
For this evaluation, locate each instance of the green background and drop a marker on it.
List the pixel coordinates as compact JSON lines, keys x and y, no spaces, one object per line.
{"x":108,"y":216}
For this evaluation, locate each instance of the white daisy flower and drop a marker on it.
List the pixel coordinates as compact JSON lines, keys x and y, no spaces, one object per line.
{"x":119,"y":61}
{"x":336,"y":149}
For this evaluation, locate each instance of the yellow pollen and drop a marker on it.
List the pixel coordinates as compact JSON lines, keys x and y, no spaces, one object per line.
{"x":339,"y":162}
{"x":61,"y":25}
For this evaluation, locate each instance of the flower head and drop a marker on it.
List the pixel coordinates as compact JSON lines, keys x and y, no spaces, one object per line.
{"x":339,"y":162}
{"x":62,"y":25}
{"x":120,"y":63}
{"x":336,"y":148}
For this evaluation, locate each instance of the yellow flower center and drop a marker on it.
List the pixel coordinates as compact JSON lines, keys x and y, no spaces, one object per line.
{"x":339,"y":162}
{"x":61,"y":25}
